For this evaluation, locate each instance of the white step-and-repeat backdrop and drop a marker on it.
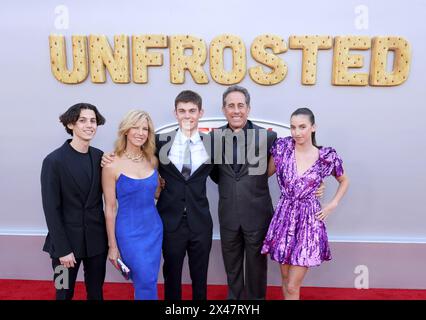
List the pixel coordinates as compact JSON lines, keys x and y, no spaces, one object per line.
{"x":359,"y":65}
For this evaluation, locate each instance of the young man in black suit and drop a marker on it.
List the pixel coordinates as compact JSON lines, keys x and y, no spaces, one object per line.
{"x":185,"y":163}
{"x":73,"y":207}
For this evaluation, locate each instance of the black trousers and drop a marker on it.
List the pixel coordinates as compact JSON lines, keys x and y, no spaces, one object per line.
{"x":245,"y":280}
{"x":94,"y":277}
{"x":175,"y":246}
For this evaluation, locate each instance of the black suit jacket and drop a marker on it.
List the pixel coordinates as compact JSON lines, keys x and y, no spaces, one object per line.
{"x":181,"y":195}
{"x":244,"y":198}
{"x":74,"y":224}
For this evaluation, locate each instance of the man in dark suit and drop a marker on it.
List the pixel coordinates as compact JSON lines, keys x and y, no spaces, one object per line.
{"x":184,"y":164}
{"x":73,"y":207}
{"x":245,"y":206}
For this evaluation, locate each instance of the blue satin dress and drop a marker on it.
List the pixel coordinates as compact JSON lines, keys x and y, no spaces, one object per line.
{"x":139,"y":232}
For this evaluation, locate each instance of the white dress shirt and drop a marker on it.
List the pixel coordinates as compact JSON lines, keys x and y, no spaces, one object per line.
{"x":199,"y":154}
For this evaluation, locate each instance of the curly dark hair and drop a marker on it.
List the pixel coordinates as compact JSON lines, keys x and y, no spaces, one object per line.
{"x":73,"y":113}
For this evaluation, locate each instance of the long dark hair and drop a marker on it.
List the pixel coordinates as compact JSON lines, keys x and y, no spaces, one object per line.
{"x":310,"y":114}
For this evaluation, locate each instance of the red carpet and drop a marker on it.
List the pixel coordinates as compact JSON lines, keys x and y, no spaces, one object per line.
{"x":43,"y":290}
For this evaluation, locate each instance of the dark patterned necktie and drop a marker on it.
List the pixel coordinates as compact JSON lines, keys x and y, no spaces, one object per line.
{"x":235,"y":165}
{"x":187,"y":161}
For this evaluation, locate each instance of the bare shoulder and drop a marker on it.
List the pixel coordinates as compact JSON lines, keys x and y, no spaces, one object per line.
{"x":154,"y":162}
{"x":112,"y":168}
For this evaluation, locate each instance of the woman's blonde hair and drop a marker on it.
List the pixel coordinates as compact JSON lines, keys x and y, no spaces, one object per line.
{"x":129,"y":121}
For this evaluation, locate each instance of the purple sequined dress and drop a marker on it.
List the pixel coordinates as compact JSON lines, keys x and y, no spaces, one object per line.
{"x":295,"y":236}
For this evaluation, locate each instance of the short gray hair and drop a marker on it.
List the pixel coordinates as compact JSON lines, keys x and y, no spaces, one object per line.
{"x":236,"y":88}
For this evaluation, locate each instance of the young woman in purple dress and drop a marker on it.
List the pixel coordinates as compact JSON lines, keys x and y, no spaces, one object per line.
{"x":297,"y":237}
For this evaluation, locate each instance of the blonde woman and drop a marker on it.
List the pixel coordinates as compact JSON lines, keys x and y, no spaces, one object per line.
{"x":135,"y":230}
